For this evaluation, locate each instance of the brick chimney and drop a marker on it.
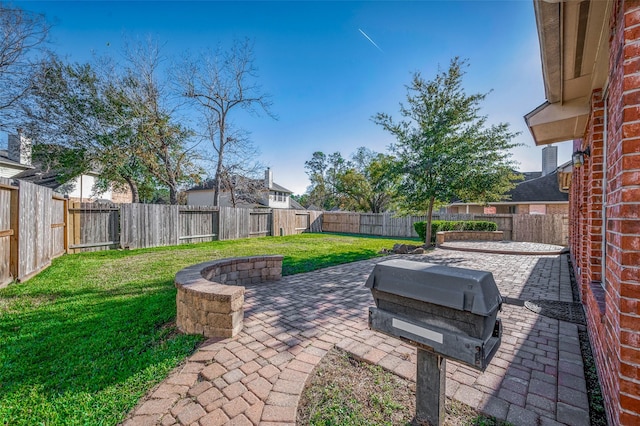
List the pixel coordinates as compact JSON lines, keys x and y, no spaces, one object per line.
{"x":268,"y":178}
{"x":19,"y":149}
{"x":549,"y":159}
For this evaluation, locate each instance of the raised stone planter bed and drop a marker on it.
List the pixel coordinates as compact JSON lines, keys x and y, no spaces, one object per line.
{"x":444,"y":236}
{"x":211,"y":294}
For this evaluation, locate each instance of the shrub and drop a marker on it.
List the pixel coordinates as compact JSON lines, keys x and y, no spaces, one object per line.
{"x":452,"y":225}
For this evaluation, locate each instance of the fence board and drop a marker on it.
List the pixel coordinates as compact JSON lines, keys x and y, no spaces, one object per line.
{"x":291,"y":222}
{"x":198,"y":224}
{"x":58,"y":226}
{"x":93,"y":226}
{"x":372,"y":224}
{"x":341,"y":222}
{"x":401,"y":226}
{"x":35,"y":211}
{"x":260,"y":221}
{"x":315,"y":220}
{"x":148,"y":225}
{"x":504,"y":222}
{"x":234,"y":223}
{"x":6,"y":230}
{"x":549,"y":229}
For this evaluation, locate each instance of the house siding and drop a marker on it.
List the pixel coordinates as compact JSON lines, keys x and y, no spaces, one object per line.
{"x":9,"y":172}
{"x":612,"y":304}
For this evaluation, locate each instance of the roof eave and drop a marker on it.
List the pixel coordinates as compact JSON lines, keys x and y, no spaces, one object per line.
{"x":574,"y":52}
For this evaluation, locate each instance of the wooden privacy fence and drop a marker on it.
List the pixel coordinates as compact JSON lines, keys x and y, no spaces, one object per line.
{"x":548,"y":229}
{"x":32,"y":229}
{"x":94,"y":226}
{"x":36,"y":225}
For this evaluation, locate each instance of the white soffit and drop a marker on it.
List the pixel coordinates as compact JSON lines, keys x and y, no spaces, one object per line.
{"x":551,"y":123}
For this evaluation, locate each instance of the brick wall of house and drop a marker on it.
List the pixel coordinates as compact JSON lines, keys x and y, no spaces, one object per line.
{"x":557,"y":208}
{"x":623,"y":213}
{"x":613,"y":307}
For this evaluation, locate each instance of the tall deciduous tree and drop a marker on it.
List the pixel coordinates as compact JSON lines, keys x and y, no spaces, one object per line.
{"x":21,"y":33}
{"x":73,"y":107}
{"x":363,"y":183}
{"x":369,"y":182}
{"x":118,"y":118}
{"x":323,"y":171}
{"x":162,"y":145}
{"x":220,"y":84}
{"x":445,"y":148}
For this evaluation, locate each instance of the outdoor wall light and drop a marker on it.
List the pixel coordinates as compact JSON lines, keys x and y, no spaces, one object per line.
{"x":578,"y":157}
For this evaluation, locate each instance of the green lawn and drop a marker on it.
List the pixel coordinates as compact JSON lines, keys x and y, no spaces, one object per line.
{"x":81,"y":342}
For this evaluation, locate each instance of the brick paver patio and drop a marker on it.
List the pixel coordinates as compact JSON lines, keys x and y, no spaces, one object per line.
{"x":256,"y":378}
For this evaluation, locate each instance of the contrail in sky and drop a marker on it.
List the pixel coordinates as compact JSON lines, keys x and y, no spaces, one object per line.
{"x":369,"y":38}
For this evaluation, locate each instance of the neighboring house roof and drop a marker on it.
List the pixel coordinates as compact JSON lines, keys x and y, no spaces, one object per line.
{"x":204,"y":186}
{"x":534,"y":190}
{"x":296,"y":205}
{"x":209,"y":184}
{"x":530,"y":175}
{"x":49,"y":178}
{"x":276,"y":187}
{"x":39,"y":177}
{"x":544,"y":188}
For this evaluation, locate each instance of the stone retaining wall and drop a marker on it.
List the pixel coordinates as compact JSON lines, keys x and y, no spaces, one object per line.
{"x":443,"y":236}
{"x":211,"y":296}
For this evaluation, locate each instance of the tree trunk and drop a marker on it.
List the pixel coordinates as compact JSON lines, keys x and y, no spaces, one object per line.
{"x":216,"y":192}
{"x":133,"y":186}
{"x":173,"y":195}
{"x":427,"y":239}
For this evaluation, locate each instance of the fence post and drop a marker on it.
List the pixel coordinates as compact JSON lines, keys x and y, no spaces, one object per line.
{"x":65,"y":234}
{"x":15,"y":237}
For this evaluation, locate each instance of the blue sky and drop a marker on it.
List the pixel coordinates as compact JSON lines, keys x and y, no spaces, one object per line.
{"x":325,"y":78}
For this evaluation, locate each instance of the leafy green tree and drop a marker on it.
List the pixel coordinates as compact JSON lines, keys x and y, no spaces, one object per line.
{"x":162,"y":145}
{"x":445,"y":148}
{"x":368,"y":183}
{"x":363,"y":183}
{"x":118,"y":119}
{"x":73,"y":107}
{"x":324,"y":171}
{"x":302,"y":199}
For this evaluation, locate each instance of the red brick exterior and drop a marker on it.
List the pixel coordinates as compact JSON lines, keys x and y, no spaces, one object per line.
{"x":613,"y":306}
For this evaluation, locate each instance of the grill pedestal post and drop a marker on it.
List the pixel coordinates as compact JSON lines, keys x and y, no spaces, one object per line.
{"x":430,"y":387}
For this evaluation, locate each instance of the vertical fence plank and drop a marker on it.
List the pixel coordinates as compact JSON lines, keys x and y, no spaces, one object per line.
{"x":58,"y":225}
{"x":260,"y":222}
{"x":7,"y":232}
{"x":341,"y":222}
{"x":197,"y":224}
{"x":148,"y":225}
{"x":33,"y":214}
{"x":315,"y":221}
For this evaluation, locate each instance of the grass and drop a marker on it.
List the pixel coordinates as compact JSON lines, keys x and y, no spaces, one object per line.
{"x":81,"y":342}
{"x":346,"y":392}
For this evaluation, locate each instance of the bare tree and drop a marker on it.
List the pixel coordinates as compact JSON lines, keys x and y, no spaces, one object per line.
{"x":22,"y":33}
{"x":219,"y":84}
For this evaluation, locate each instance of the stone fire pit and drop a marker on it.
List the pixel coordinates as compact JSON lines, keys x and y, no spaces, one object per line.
{"x":211,"y":295}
